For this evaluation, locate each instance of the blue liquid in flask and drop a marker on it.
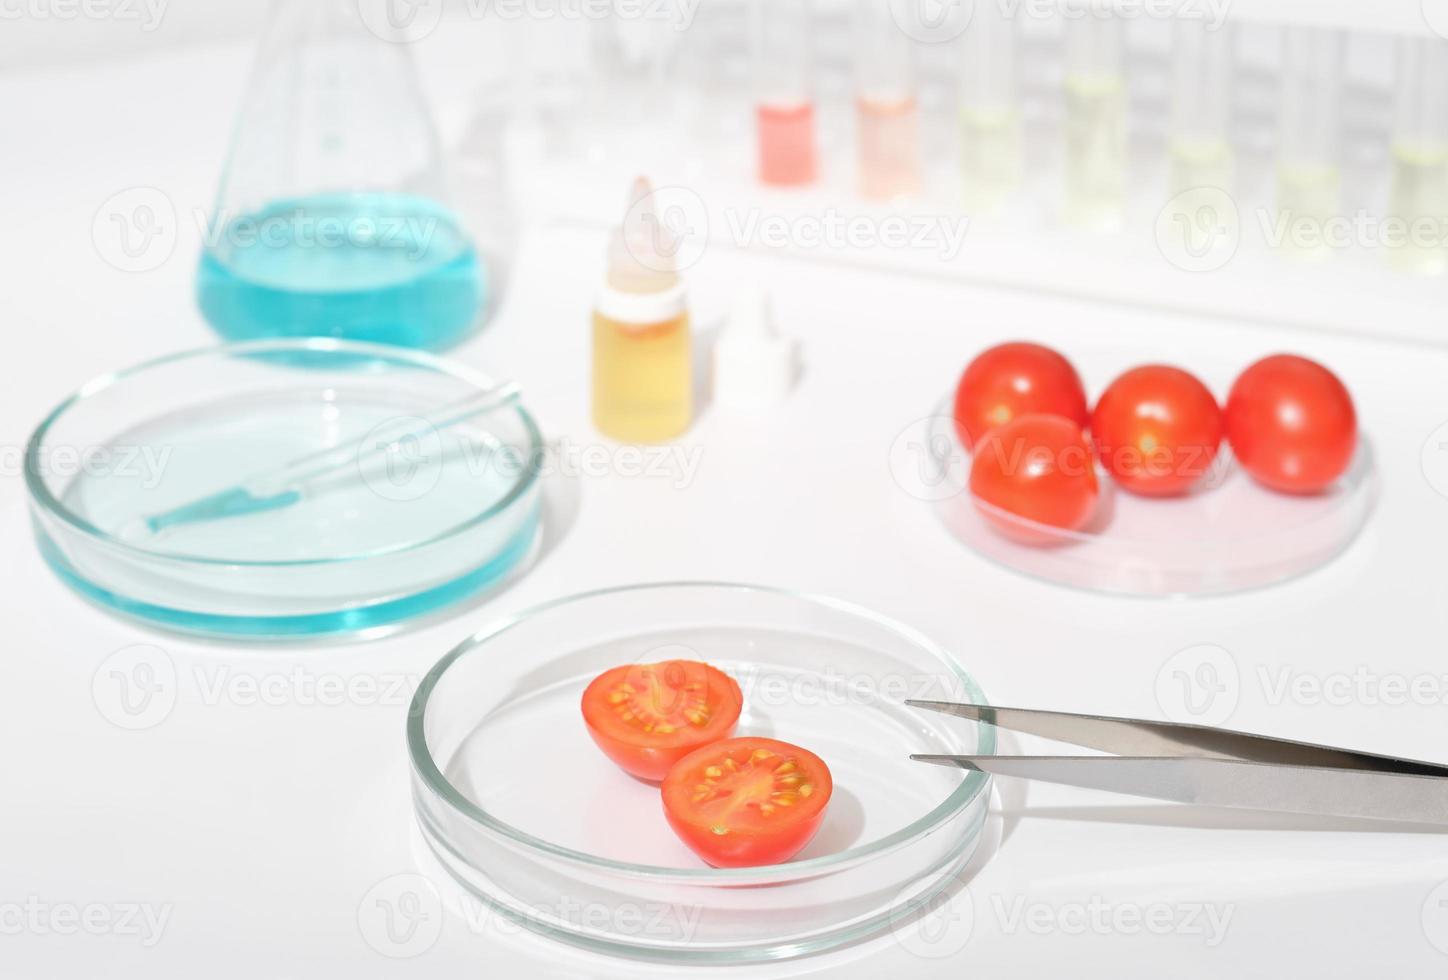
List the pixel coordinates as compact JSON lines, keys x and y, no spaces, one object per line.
{"x":385,"y":268}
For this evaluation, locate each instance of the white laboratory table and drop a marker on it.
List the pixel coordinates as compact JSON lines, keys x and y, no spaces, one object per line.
{"x":245,"y":835}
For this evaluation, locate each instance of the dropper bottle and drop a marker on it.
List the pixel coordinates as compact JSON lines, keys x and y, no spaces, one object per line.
{"x":783,"y":69}
{"x":1095,"y":118}
{"x":642,"y":356}
{"x":1419,"y":198}
{"x":887,"y":112}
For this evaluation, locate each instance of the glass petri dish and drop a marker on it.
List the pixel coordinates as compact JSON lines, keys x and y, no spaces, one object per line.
{"x":525,"y":812}
{"x":1230,"y":536}
{"x":422,"y":517}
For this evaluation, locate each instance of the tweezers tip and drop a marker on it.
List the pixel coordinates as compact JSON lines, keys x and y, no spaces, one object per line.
{"x":929,"y":705}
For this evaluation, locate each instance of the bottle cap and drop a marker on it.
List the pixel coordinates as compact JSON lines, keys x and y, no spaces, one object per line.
{"x":754,"y":367}
{"x":642,"y":285}
{"x":641,"y":254}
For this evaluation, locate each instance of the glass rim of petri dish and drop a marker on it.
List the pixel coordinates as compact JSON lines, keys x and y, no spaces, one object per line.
{"x":1199,"y":558}
{"x":43,"y":498}
{"x":426,"y":770}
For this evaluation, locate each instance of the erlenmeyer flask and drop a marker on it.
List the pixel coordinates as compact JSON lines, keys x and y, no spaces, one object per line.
{"x":332,"y":218}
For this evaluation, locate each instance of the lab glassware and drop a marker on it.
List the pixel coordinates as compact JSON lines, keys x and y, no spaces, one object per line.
{"x":782,"y":65}
{"x":828,"y":675}
{"x":438,"y":503}
{"x":1309,"y":173}
{"x":332,"y":217}
{"x":1419,"y":197}
{"x":990,"y":120}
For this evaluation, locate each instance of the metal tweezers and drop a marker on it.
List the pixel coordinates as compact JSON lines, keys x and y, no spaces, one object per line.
{"x":1209,"y":766}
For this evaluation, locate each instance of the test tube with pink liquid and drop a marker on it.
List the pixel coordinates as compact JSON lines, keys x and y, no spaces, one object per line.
{"x":887,"y":112}
{"x":783,"y":68}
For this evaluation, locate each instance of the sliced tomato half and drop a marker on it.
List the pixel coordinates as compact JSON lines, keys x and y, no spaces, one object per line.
{"x":747,"y":801}
{"x":646,"y":717}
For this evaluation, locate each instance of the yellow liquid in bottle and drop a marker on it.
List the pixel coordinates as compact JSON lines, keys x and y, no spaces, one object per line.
{"x":643,"y":379}
{"x":1420,"y":198}
{"x":1095,"y":151}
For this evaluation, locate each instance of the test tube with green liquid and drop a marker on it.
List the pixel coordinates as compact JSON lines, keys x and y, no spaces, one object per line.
{"x":1200,"y":145}
{"x":990,"y":118}
{"x":1095,"y":91}
{"x":1418,"y":200}
{"x":1309,"y":176}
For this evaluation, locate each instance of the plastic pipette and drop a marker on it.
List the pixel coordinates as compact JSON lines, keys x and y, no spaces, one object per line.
{"x":291,"y":482}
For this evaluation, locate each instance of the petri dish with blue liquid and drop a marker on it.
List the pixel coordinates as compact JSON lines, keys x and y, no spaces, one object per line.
{"x":333,"y":217}
{"x":286,"y":489}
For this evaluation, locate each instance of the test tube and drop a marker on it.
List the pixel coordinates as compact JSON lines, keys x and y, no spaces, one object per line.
{"x":1095,"y":86}
{"x":990,"y":119}
{"x":1309,"y":180}
{"x":783,"y":69}
{"x":1200,"y":144}
{"x":887,"y":114}
{"x":1419,"y":196}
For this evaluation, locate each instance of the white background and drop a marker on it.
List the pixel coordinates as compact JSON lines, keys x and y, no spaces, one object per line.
{"x":260,"y":829}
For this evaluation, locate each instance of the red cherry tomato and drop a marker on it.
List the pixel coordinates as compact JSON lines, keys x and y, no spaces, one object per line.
{"x":747,"y":801}
{"x":646,"y":717}
{"x":1157,"y":430}
{"x":1291,"y":424}
{"x":1012,"y":380}
{"x":1038,"y":467}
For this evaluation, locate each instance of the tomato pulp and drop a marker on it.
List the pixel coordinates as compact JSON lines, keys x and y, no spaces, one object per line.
{"x":646,"y":717}
{"x":747,"y":801}
{"x":1012,"y":380}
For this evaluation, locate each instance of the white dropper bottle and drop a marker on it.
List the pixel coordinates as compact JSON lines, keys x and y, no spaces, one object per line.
{"x":754,"y":367}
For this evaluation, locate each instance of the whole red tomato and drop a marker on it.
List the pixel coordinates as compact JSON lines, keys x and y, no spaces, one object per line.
{"x":1036,"y":467}
{"x":1157,"y":430}
{"x":1292,"y":424}
{"x":1012,"y":380}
